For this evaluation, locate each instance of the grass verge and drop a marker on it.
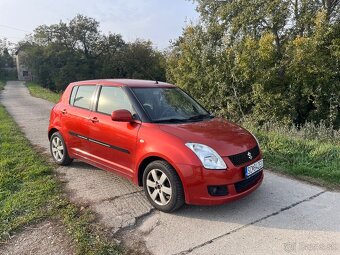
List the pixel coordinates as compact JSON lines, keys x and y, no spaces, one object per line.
{"x":29,"y":192}
{"x":44,"y":93}
{"x":311,"y":160}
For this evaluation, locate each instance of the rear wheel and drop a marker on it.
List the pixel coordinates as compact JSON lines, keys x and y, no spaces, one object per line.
{"x":59,"y":150}
{"x":163,"y":186}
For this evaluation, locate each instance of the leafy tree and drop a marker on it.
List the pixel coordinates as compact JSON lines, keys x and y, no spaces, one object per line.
{"x":262,"y":60}
{"x":313,"y":73}
{"x":65,"y":52}
{"x":6,"y":60}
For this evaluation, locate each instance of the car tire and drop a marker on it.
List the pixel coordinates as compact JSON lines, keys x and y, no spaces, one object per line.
{"x":163,"y":186}
{"x":58,"y":150}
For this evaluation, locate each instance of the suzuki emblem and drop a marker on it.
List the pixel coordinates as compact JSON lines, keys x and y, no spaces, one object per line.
{"x":249,"y":155}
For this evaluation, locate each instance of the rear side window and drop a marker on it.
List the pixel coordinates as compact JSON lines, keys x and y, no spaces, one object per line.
{"x":83,"y":96}
{"x":113,"y":98}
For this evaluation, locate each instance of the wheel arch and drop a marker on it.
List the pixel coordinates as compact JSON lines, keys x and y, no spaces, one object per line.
{"x":51,"y":132}
{"x":146,"y":161}
{"x":141,"y":168}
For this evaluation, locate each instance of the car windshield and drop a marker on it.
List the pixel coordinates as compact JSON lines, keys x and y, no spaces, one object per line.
{"x":169,"y":105}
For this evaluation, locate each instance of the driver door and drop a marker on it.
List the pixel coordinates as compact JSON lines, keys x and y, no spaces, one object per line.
{"x":113,"y":143}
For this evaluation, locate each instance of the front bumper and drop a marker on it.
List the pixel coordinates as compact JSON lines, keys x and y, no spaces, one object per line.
{"x":196,"y":180}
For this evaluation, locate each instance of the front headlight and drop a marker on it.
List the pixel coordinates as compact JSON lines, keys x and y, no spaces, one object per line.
{"x":209,"y":158}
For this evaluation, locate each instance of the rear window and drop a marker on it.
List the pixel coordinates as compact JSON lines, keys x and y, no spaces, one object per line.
{"x":83,"y":96}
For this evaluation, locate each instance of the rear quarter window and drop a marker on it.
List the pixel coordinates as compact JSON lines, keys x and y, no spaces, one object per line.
{"x":73,"y":94}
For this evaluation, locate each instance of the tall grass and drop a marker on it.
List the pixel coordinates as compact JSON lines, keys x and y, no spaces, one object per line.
{"x":309,"y":131}
{"x":311,"y":152}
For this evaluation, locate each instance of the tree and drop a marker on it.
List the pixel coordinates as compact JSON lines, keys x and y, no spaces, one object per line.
{"x":6,"y":60}
{"x":65,"y":52}
{"x":313,"y":73}
{"x":262,"y":60}
{"x":140,"y":61}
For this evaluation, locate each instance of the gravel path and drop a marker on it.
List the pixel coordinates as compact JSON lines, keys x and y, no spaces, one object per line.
{"x":283,"y":216}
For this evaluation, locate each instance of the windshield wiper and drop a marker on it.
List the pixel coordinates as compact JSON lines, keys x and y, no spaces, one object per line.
{"x":170,"y":120}
{"x":192,"y":118}
{"x":200,"y":117}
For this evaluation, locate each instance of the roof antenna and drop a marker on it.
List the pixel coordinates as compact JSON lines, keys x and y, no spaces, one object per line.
{"x":156,"y":82}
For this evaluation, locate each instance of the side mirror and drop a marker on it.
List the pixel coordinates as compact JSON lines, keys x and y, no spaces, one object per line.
{"x":122,"y":116}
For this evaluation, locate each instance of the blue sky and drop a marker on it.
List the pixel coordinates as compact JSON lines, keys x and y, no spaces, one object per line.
{"x":157,"y":20}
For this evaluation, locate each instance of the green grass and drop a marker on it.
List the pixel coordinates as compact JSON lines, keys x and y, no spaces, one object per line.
{"x":2,"y":85}
{"x":307,"y":159}
{"x":44,"y":93}
{"x":29,"y":192}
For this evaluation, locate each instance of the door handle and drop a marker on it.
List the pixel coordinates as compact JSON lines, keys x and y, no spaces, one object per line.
{"x":94,"y":119}
{"x":64,"y":111}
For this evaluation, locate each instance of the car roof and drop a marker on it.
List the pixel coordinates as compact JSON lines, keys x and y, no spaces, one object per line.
{"x":125,"y":82}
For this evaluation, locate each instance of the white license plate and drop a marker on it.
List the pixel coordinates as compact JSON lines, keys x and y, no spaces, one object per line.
{"x":253,"y":168}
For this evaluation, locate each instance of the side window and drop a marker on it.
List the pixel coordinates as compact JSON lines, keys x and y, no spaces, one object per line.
{"x":113,"y":98}
{"x":73,"y":95}
{"x":83,"y":96}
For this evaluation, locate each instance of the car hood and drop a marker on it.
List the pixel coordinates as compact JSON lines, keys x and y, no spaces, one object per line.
{"x":224,"y":137}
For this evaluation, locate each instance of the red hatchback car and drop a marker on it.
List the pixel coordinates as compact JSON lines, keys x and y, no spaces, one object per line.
{"x":156,"y":135}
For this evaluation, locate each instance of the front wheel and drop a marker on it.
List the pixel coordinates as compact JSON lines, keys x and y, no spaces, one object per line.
{"x":59,"y":150}
{"x":163,"y":186}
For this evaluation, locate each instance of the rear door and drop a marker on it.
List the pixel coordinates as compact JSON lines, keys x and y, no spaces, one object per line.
{"x":113,"y":143}
{"x":76,"y":118}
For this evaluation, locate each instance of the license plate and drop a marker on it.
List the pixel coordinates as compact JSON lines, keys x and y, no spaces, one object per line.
{"x":253,"y":168}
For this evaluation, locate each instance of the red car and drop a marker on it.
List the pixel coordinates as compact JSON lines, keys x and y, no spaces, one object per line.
{"x":156,"y":135}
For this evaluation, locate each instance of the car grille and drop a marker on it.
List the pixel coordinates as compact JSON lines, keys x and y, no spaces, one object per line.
{"x":247,"y":183}
{"x":244,"y":157}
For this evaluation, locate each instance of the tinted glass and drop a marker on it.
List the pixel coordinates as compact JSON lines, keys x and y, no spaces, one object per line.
{"x":84,"y":96}
{"x":73,"y":94}
{"x":163,"y":104}
{"x":113,"y":98}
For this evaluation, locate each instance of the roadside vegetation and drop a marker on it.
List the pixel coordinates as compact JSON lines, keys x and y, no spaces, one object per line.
{"x":262,"y":60}
{"x":38,"y":91}
{"x":2,"y":85}
{"x":311,"y":153}
{"x":7,"y":64}
{"x":29,"y":192}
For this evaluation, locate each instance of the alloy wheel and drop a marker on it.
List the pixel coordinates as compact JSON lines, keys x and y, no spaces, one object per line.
{"x":159,"y":187}
{"x":57,"y":149}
